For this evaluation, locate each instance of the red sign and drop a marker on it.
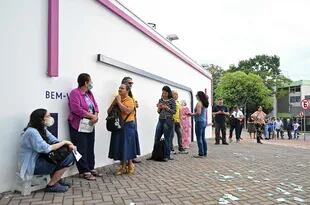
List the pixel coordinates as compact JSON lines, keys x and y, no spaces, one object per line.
{"x":305,"y":104}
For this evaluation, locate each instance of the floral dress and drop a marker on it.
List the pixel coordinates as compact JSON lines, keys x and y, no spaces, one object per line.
{"x":186,"y":126}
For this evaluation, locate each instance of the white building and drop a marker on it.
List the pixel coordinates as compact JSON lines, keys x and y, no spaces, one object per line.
{"x":46,"y":44}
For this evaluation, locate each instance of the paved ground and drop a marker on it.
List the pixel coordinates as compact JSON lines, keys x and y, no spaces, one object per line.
{"x":243,"y":173}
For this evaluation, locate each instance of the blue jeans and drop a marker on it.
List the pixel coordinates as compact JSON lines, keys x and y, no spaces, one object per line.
{"x":44,"y":167}
{"x":164,"y":126}
{"x":200,"y":127}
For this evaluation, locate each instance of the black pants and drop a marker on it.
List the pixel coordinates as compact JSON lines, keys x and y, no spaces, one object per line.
{"x":259,"y":131}
{"x":237,"y":128}
{"x":85,"y":145}
{"x":220,"y":127}
{"x":289,"y":134}
{"x":177,"y":129}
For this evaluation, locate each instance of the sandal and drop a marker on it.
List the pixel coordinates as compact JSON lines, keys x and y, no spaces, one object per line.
{"x":95,"y":173}
{"x":88,"y":176}
{"x":121,"y":170}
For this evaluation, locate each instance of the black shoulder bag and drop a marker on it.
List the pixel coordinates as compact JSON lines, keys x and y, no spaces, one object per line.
{"x":114,"y":121}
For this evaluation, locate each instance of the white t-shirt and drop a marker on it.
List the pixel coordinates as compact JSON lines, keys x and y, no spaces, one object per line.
{"x":278,"y":124}
{"x":296,"y":125}
{"x":238,"y":114}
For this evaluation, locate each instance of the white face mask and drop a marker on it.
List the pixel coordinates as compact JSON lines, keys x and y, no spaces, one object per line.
{"x":49,"y":122}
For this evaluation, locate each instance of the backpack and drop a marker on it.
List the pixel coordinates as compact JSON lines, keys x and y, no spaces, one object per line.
{"x":158,"y":153}
{"x":114,"y":121}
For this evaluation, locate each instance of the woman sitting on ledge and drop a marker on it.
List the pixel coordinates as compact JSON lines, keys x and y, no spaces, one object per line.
{"x":36,"y":143}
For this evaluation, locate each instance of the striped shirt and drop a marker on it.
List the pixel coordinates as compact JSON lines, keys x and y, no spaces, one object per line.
{"x":167,"y":113}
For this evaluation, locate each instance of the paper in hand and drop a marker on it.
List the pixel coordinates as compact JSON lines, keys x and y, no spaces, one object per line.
{"x":77,"y":155}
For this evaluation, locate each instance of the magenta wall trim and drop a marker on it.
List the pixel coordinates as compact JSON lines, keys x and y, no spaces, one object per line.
{"x":53,"y":33}
{"x":140,"y":27}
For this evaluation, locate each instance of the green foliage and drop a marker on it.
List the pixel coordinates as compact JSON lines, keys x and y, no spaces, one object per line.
{"x":267,"y":67}
{"x":245,"y":90}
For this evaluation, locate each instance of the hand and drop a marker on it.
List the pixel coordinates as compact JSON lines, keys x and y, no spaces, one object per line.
{"x":67,"y":142}
{"x":72,"y":147}
{"x":94,"y":119}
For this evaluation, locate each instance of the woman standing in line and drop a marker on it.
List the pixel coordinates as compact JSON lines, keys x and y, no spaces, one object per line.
{"x":186,"y":125}
{"x":83,"y":108}
{"x":201,"y":123}
{"x":259,"y":121}
{"x":166,"y":108}
{"x":123,"y":145}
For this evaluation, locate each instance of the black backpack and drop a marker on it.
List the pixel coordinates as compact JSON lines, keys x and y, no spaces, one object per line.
{"x":114,"y":120}
{"x":158,"y":153}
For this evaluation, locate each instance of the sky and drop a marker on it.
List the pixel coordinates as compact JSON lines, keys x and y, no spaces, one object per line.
{"x":223,"y":32}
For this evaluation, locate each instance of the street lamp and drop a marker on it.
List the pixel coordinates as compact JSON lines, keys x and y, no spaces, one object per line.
{"x":172,"y":37}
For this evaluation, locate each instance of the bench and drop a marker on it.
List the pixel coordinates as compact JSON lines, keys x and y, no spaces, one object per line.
{"x":25,"y":187}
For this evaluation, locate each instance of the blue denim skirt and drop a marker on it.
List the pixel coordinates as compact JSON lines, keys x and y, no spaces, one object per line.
{"x":123,"y":144}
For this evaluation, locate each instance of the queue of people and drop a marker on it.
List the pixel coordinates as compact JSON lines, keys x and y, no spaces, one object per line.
{"x":42,"y":153}
{"x":258,"y":125}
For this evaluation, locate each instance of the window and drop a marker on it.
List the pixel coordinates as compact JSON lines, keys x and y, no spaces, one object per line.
{"x":294,"y":89}
{"x":307,"y":97}
{"x":295,"y":99}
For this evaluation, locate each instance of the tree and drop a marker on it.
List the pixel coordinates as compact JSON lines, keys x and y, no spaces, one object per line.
{"x":267,"y":67}
{"x":217,"y":72}
{"x":246,"y":90}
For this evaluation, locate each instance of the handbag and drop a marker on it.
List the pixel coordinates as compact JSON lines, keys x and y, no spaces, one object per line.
{"x":59,"y":155}
{"x":114,"y":121}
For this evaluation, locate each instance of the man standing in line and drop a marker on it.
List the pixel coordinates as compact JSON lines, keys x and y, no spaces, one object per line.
{"x":237,"y":117}
{"x":220,"y":112}
{"x":128,"y":80}
{"x":176,"y":125}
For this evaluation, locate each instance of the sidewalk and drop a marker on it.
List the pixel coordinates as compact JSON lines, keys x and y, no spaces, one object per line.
{"x":240,"y":173}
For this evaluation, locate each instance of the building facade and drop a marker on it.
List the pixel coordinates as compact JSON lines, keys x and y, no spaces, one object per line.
{"x":46,"y":44}
{"x":288,"y":105}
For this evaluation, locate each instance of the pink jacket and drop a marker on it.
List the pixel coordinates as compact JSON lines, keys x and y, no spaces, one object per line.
{"x":78,"y":107}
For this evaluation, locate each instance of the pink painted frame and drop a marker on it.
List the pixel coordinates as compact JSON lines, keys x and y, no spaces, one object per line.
{"x":53,"y":37}
{"x":144,"y":30}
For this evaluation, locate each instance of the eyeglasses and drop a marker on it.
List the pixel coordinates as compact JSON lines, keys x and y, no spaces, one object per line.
{"x":130,"y":83}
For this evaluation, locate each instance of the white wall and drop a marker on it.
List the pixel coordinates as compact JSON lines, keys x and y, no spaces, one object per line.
{"x":86,"y":29}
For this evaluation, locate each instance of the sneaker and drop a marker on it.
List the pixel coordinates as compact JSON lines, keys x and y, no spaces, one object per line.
{"x":165,"y":160}
{"x":64,"y":183}
{"x":230,"y":140}
{"x":170,"y":158}
{"x":217,"y":143}
{"x":183,"y":152}
{"x":225,"y":143}
{"x":56,"y":188}
{"x":136,"y":161}
{"x":198,"y":156}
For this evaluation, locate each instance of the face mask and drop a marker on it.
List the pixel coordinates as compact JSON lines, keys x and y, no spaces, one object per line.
{"x":49,"y":121}
{"x":90,"y":86}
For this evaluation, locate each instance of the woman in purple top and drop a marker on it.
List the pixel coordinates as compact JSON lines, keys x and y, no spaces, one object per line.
{"x":82,"y":105}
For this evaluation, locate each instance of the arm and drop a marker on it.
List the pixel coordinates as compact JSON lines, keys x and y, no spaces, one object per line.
{"x":123,"y":107}
{"x":56,"y":144}
{"x":76,"y":108}
{"x":197,"y":110}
